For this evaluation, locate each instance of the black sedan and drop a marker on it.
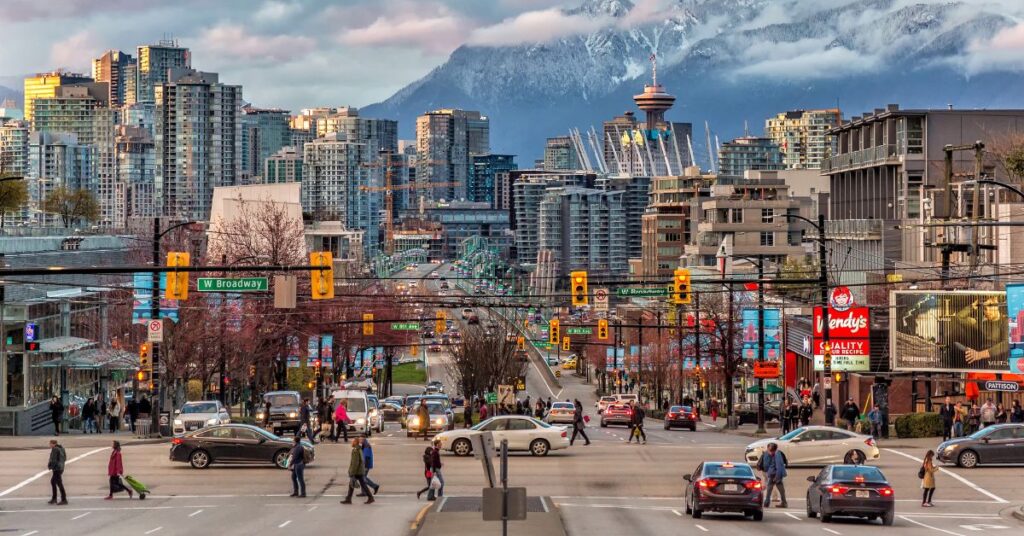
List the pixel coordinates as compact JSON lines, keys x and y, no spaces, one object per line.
{"x":746,"y":412}
{"x":851,"y":490}
{"x":999,"y":444}
{"x":233,"y":443}
{"x":681,"y":417}
{"x":724,"y":487}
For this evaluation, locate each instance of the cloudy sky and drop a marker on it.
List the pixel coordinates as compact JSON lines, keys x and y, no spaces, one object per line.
{"x":286,"y":53}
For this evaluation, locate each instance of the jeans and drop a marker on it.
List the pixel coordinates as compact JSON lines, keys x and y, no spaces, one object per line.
{"x":437,"y":473}
{"x":958,"y":429}
{"x":299,"y":478}
{"x":57,"y":483}
{"x":778,"y":484}
{"x":926,"y":497}
{"x":370,"y":482}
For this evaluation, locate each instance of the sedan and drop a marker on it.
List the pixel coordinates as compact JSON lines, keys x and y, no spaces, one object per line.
{"x":523,"y":433}
{"x":723,"y":487}
{"x":1002,"y":443}
{"x":603,"y":403}
{"x":391,"y":410}
{"x":561,"y":412}
{"x":617,"y":414}
{"x":233,"y":443}
{"x":437,"y":422}
{"x":681,"y":417}
{"x":818,"y":445}
{"x":746,"y":412}
{"x":851,"y":490}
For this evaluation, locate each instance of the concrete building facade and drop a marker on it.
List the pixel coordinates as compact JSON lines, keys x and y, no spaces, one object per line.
{"x":670,"y":221}
{"x":445,"y":142}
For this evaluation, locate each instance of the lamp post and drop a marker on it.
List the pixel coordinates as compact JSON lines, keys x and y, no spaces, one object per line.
{"x":760,"y":337}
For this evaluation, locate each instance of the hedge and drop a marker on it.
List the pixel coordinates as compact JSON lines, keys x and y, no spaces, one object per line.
{"x":919,"y":425}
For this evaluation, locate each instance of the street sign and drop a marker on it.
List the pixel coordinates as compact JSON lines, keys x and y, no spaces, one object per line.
{"x":579,"y":331}
{"x":155,"y":331}
{"x":228,"y":284}
{"x":505,"y":395}
{"x":521,"y":383}
{"x":647,"y":292}
{"x":1009,"y":387}
{"x":600,"y":299}
{"x":828,"y":381}
{"x":491,"y":397}
{"x":766,"y":369}
{"x":405,"y":326}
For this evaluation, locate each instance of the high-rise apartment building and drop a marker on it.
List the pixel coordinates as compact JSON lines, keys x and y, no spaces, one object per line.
{"x":283,"y":166}
{"x":118,"y":70}
{"x":560,"y":153}
{"x":445,"y":142}
{"x":136,"y":171}
{"x":528,"y":190}
{"x":154,"y":65}
{"x":584,"y":229}
{"x":802,"y":136}
{"x":264,"y":132}
{"x":748,"y":153}
{"x":42,"y":86}
{"x":635,"y":198}
{"x":488,"y":169}
{"x":198,"y":142}
{"x":14,"y":147}
{"x":670,"y":222}
{"x":55,"y":159}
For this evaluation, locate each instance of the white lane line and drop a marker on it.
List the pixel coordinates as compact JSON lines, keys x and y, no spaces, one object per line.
{"x":963,"y":480}
{"x":80,"y":516}
{"x":197,"y":512}
{"x":285,"y":524}
{"x":951,"y":533}
{"x":826,"y":529}
{"x":311,"y":508}
{"x":676,"y":512}
{"x":701,"y":528}
{"x":151,"y":531}
{"x":30,"y":533}
{"x":40,"y":474}
{"x":794,"y":516}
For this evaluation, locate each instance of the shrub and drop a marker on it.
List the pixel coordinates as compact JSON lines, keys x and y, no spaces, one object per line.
{"x":919,"y":425}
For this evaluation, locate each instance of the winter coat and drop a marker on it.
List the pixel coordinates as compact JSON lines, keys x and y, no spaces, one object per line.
{"x":368,"y":456}
{"x":356,"y":464}
{"x":341,"y":414}
{"x":988,"y":413}
{"x":851,"y":412}
{"x":929,"y":476}
{"x":775,"y":466}
{"x":304,"y":414}
{"x":435,"y":459}
{"x":57,"y":458}
{"x":56,"y":409}
{"x":114,"y":466}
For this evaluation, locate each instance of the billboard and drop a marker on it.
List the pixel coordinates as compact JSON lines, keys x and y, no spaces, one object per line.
{"x":749,"y":329}
{"x":849,"y":330}
{"x":949,"y":331}
{"x":1015,"y":318}
{"x":849,"y":355}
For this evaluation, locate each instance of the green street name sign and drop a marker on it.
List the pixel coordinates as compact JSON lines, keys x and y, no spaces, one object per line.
{"x":224,"y":284}
{"x":579,"y":331}
{"x":405,"y":326}
{"x":630,"y":292}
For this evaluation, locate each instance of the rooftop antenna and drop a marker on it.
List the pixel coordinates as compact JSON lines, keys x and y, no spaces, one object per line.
{"x":746,"y":129}
{"x":654,"y":68}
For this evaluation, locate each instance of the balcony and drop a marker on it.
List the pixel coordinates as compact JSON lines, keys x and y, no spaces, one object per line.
{"x":883,"y":154}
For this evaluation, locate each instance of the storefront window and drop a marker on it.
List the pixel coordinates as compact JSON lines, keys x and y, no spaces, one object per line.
{"x":15,"y":380}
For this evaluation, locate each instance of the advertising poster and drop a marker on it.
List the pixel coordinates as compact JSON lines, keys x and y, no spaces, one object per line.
{"x":142,"y":284}
{"x":327,"y":350}
{"x":949,"y":331}
{"x":849,"y":332}
{"x":313,"y":348}
{"x":749,"y":327}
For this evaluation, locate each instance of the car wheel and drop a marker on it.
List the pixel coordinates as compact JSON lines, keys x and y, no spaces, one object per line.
{"x":967,"y":459}
{"x":604,"y":424}
{"x":848,"y":459}
{"x":687,"y":508}
{"x":199,"y":459}
{"x":810,"y":510}
{"x":462,"y":447}
{"x":693,"y":428}
{"x":667,"y":427}
{"x":539,"y":447}
{"x":281,"y":459}
{"x":758,"y":515}
{"x":888,"y":518}
{"x":695,"y":512}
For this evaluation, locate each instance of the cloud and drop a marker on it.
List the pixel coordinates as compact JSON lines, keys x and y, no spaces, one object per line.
{"x":275,"y":11}
{"x":234,"y":42}
{"x":809,"y":64}
{"x":541,"y":26}
{"x":76,"y":51}
{"x":438,"y":34}
{"x":1004,"y":51}
{"x":27,"y":10}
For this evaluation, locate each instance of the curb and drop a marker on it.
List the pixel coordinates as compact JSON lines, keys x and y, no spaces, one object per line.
{"x":1018,"y":513}
{"x":123,"y":444}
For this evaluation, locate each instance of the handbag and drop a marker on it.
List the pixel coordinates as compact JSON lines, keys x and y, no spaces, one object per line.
{"x":920,"y":472}
{"x":435,"y":483}
{"x":428,"y":474}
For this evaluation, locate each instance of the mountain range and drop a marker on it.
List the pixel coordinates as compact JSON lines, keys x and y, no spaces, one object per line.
{"x":729,"y":62}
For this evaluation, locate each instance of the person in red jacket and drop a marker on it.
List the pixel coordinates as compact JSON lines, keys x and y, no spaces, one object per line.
{"x":341,"y":420}
{"x":115,"y":470}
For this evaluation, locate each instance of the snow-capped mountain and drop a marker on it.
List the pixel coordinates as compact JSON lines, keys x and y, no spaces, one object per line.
{"x":730,"y":61}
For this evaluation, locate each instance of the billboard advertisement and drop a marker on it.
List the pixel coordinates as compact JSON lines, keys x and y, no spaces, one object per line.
{"x":749,"y":327}
{"x":849,"y":324}
{"x":949,"y":331}
{"x":849,"y":355}
{"x":1015,"y":317}
{"x":849,"y":330}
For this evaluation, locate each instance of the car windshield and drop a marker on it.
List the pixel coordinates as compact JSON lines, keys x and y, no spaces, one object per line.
{"x":563,"y":405}
{"x":435,"y":409}
{"x":200,"y":407}
{"x":792,"y":434}
{"x":859,"y":473}
{"x":354,"y":404}
{"x":607,"y":399}
{"x":722,"y":469}
{"x":281,"y":400}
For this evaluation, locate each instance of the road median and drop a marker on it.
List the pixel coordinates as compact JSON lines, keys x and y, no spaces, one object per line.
{"x":462,"y":516}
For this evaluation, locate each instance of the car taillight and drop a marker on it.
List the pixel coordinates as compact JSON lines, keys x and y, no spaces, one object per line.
{"x":885,"y":492}
{"x":672,"y":415}
{"x":753,"y":484}
{"x":564,"y":434}
{"x":176,"y":441}
{"x":838,"y":490}
{"x":693,"y":416}
{"x":707,"y":483}
{"x":870,"y":441}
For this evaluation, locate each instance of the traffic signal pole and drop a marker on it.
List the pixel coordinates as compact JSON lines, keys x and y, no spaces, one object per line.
{"x":154,"y":314}
{"x":823,"y":281}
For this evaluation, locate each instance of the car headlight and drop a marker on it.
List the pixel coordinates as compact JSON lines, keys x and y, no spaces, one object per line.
{"x":177,"y":422}
{"x":360,"y":420}
{"x":952,"y":447}
{"x":259,"y":415}
{"x":415,"y":421}
{"x":292,"y":415}
{"x":212,"y":422}
{"x":439,"y":420}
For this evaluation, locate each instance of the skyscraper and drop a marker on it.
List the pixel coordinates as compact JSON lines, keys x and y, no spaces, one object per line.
{"x":198,"y":142}
{"x":264,"y":132}
{"x":445,"y":141}
{"x":45,"y":85}
{"x":14,"y":147}
{"x":585,"y":229}
{"x":487,"y":170}
{"x":136,"y":171}
{"x":154,"y":64}
{"x":802,"y":136}
{"x":118,"y":70}
{"x":55,"y":159}
{"x":560,"y":153}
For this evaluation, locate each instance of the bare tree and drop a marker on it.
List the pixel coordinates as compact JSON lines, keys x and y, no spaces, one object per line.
{"x":483,"y":361}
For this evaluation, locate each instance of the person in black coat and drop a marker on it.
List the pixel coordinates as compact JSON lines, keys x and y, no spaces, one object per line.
{"x":56,"y":413}
{"x":851,"y":413}
{"x":805,"y":413}
{"x":133,"y":413}
{"x":947,"y":411}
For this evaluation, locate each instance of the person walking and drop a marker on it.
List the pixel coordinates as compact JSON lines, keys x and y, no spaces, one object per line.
{"x":988,"y":413}
{"x":428,"y":457}
{"x":850,"y":414}
{"x":927,"y":474}
{"x":636,"y":427}
{"x":946,"y":412}
{"x":115,"y":470}
{"x":266,"y":413}
{"x":793,"y":415}
{"x":56,"y":414}
{"x":341,"y":420}
{"x":133,"y":413}
{"x":483,"y":411}
{"x":297,"y":465}
{"x":467,"y":413}
{"x":89,"y":416}
{"x":578,"y":424}
{"x":830,"y":413}
{"x":56,"y":467}
{"x":423,"y":418}
{"x":875,"y":418}
{"x":368,"y":460}
{"x":816,"y":397}
{"x":775,"y":471}
{"x":435,"y":465}
{"x":805,"y":412}
{"x":1016,"y":412}
{"x":305,"y":418}
{"x":357,"y":473}
{"x":959,"y":419}
{"x":114,"y":416}
{"x":714,"y":410}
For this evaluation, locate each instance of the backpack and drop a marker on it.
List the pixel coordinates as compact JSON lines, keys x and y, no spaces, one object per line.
{"x":760,"y":463}
{"x":920,"y":472}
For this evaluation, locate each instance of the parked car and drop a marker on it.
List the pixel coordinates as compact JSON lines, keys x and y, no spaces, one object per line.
{"x":616,"y":414}
{"x":561,"y":413}
{"x":723,"y":487}
{"x":522,"y":432}
{"x":233,"y":443}
{"x":851,"y":490}
{"x":681,"y":417}
{"x":1002,"y":443}
{"x":357,"y":404}
{"x":196,"y":415}
{"x":817,"y":445}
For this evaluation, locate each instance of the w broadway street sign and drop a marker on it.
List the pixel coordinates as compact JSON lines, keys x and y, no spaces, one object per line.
{"x":224,"y":284}
{"x":632,"y":292}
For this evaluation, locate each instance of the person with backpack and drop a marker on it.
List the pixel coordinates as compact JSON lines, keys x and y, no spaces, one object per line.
{"x":297,"y":465}
{"x":775,"y":472}
{"x":927,"y":475}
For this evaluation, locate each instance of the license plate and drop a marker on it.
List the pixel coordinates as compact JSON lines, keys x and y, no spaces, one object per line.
{"x":192,"y":427}
{"x":863,"y":494}
{"x":730,"y":487}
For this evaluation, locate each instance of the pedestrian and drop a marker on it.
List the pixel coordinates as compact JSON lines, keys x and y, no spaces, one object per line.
{"x":714,"y":410}
{"x":357,"y":473}
{"x":114,"y":415}
{"x":816,"y":397}
{"x":927,"y":476}
{"x":805,"y":412}
{"x":435,"y":466}
{"x":332,"y":430}
{"x":145,"y":407}
{"x":467,"y":413}
{"x":297,"y":465}
{"x":321,"y":416}
{"x":850,"y":414}
{"x":115,"y":470}
{"x":1001,"y":414}
{"x":548,"y":405}
{"x":527,"y":405}
{"x":483,"y":410}
{"x":875,"y":418}
{"x":423,"y":418}
{"x":266,"y":413}
{"x":1016,"y":412}
{"x":793,"y":414}
{"x":101,"y":413}
{"x":428,"y":456}
{"x":988,"y":414}
{"x":341,"y":420}
{"x":305,"y":421}
{"x":538,"y":411}
{"x":775,"y":470}
{"x":56,"y":467}
{"x":133,"y":413}
{"x":368,"y":460}
{"x":89,"y":416}
{"x":636,"y":427}
{"x":973,"y":419}
{"x":578,"y":424}
{"x":830,"y":413}
{"x":946,"y":412}
{"x":959,"y":419}
{"x":56,"y":414}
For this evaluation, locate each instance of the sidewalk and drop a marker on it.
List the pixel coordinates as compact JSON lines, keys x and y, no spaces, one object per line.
{"x":75,"y":440}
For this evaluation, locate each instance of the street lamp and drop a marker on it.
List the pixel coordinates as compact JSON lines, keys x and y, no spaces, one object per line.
{"x":759,"y":261}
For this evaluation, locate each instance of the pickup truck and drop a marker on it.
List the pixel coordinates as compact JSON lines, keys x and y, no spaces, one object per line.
{"x":284,"y":412}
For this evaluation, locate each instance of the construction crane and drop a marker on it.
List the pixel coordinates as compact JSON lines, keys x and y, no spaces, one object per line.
{"x":389,"y":189}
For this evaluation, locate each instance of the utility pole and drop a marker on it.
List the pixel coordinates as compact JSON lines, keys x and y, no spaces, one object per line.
{"x":154,"y":314}
{"x":679,"y":334}
{"x":223,"y":320}
{"x":696,"y":339}
{"x":823,"y":282}
{"x":760,"y":343}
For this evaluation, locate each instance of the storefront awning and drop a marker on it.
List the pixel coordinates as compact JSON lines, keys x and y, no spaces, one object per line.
{"x":92,"y":359}
{"x":63,"y":345}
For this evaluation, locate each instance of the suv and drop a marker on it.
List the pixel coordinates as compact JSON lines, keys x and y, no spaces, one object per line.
{"x":617,"y":414}
{"x":357,"y":404}
{"x":195,"y":415}
{"x":285,"y":407}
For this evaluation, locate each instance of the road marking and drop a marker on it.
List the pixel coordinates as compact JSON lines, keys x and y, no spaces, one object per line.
{"x":151,"y":531}
{"x":285,"y":524}
{"x":197,"y":512}
{"x":966,"y":482}
{"x":419,"y":518}
{"x":676,"y":512}
{"x":544,"y":503}
{"x":80,"y":516}
{"x":311,"y":508}
{"x":983,"y":526}
{"x":30,"y":533}
{"x":38,"y":475}
{"x":701,"y":528}
{"x":794,"y":516}
{"x":951,"y":533}
{"x":826,"y":529}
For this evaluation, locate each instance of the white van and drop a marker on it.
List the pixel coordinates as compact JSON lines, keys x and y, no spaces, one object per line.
{"x":626,"y":398}
{"x":358,"y":407}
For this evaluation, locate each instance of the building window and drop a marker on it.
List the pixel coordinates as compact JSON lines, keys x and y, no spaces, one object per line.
{"x":767,"y":239}
{"x":737,"y":215}
{"x":767,"y":215}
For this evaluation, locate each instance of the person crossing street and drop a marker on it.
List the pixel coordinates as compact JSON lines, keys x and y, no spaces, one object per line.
{"x":297,"y":465}
{"x":578,"y":424}
{"x":357,"y":473}
{"x":636,"y":425}
{"x":368,"y":460}
{"x":775,"y":471}
{"x":115,"y":470}
{"x":56,"y":467}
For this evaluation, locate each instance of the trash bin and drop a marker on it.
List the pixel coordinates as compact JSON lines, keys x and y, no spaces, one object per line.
{"x":732,"y":422}
{"x":142,"y":428}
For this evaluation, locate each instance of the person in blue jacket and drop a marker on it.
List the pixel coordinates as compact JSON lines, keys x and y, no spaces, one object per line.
{"x":368,"y":460}
{"x":775,"y":471}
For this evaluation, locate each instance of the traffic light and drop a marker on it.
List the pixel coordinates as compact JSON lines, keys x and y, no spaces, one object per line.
{"x":520,"y":343}
{"x":322,"y":279}
{"x":441,"y":324}
{"x":578,"y":280}
{"x":566,"y":343}
{"x":681,"y":287}
{"x":177,"y":282}
{"x":826,"y":359}
{"x":367,"y":323}
{"x":145,"y":357}
{"x":839,"y":377}
{"x":553,"y":331}
{"x":602,"y":329}
{"x":252,"y":371}
{"x":142,"y":376}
